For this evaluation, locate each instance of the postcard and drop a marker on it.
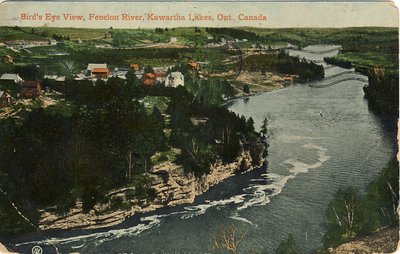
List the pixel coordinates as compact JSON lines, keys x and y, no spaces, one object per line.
{"x":199,"y":127}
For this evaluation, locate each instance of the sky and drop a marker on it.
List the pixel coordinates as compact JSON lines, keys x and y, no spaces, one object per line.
{"x":278,"y":14}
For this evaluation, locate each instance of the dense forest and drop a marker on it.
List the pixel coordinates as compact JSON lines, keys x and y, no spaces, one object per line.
{"x":382,"y":92}
{"x":102,"y":137}
{"x":284,"y":64}
{"x":339,"y":62}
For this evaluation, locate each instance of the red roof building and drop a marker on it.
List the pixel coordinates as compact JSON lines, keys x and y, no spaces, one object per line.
{"x":101,"y":73}
{"x":135,"y":67}
{"x":149,"y":79}
{"x":194,"y":66}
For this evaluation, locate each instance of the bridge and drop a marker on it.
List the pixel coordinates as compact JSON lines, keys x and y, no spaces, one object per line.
{"x":320,"y":52}
{"x":339,"y":81}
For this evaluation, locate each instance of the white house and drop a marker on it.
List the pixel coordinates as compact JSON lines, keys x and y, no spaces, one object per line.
{"x":175,"y":79}
{"x":120,"y":73}
{"x":55,"y":77}
{"x":173,"y":39}
{"x":52,"y":42}
{"x":12,"y":77}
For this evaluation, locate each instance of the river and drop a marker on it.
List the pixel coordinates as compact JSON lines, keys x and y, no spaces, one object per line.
{"x":310,"y":157}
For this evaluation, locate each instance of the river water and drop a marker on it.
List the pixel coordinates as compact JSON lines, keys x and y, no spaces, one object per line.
{"x":310,"y":158}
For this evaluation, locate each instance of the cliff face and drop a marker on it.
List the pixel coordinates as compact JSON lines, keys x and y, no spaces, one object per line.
{"x":172,"y":187}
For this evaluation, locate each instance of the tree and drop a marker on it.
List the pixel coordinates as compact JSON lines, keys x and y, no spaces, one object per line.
{"x":30,"y":72}
{"x":148,"y":69}
{"x":229,"y":238}
{"x":288,"y":246}
{"x":344,"y":217}
{"x":246,"y":88}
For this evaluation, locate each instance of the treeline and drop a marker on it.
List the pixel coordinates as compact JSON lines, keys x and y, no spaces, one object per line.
{"x":284,"y":64}
{"x":234,"y":33}
{"x":382,"y":92}
{"x":351,"y":214}
{"x":339,"y":62}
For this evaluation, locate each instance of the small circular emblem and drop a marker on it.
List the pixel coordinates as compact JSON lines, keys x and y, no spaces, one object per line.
{"x":37,"y":250}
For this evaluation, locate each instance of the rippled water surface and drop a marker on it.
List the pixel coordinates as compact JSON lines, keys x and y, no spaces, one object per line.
{"x":310,"y":157}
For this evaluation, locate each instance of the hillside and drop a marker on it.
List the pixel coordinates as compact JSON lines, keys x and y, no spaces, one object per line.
{"x":384,"y":241}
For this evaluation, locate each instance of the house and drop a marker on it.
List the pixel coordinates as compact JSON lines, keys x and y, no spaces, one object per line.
{"x":80,"y":76}
{"x":5,"y":99}
{"x":175,"y":79}
{"x":135,"y":67}
{"x":8,"y":59}
{"x":119,"y":73}
{"x":161,"y":68}
{"x":194,"y":66}
{"x":100,"y":73}
{"x":160,"y":77}
{"x":173,"y":39}
{"x":55,"y":77}
{"x":30,"y":89}
{"x":91,"y":66}
{"x":52,"y":42}
{"x":11,"y":77}
{"x":149,"y":79}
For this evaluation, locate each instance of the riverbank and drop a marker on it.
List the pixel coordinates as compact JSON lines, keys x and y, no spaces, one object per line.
{"x":383,"y":241}
{"x":172,"y":187}
{"x":256,"y":81}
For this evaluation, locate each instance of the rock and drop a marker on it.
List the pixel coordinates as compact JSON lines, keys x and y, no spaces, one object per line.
{"x":172,"y":187}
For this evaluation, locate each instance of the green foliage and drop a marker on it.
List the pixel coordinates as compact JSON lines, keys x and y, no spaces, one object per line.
{"x":11,"y":220}
{"x":234,"y":33}
{"x":30,"y":72}
{"x":288,"y":246}
{"x":338,"y":62}
{"x":211,"y":91}
{"x":246,"y":88}
{"x":285,"y":64}
{"x":122,"y":38}
{"x":142,"y":184}
{"x":351,"y":215}
{"x":382,"y":92}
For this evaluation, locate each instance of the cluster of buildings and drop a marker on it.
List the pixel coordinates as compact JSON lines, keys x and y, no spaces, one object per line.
{"x":32,"y":88}
{"x":28,"y":88}
{"x":159,"y":75}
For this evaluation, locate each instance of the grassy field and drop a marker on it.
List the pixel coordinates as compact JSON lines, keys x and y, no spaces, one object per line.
{"x":369,"y":59}
{"x":11,"y":33}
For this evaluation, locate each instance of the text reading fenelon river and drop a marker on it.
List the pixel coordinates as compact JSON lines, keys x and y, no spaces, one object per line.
{"x":310,"y":158}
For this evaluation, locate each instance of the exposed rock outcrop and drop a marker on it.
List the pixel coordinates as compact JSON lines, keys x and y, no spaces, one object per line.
{"x":172,"y":187}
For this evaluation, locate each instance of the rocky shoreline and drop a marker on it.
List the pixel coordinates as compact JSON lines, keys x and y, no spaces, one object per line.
{"x":172,"y":187}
